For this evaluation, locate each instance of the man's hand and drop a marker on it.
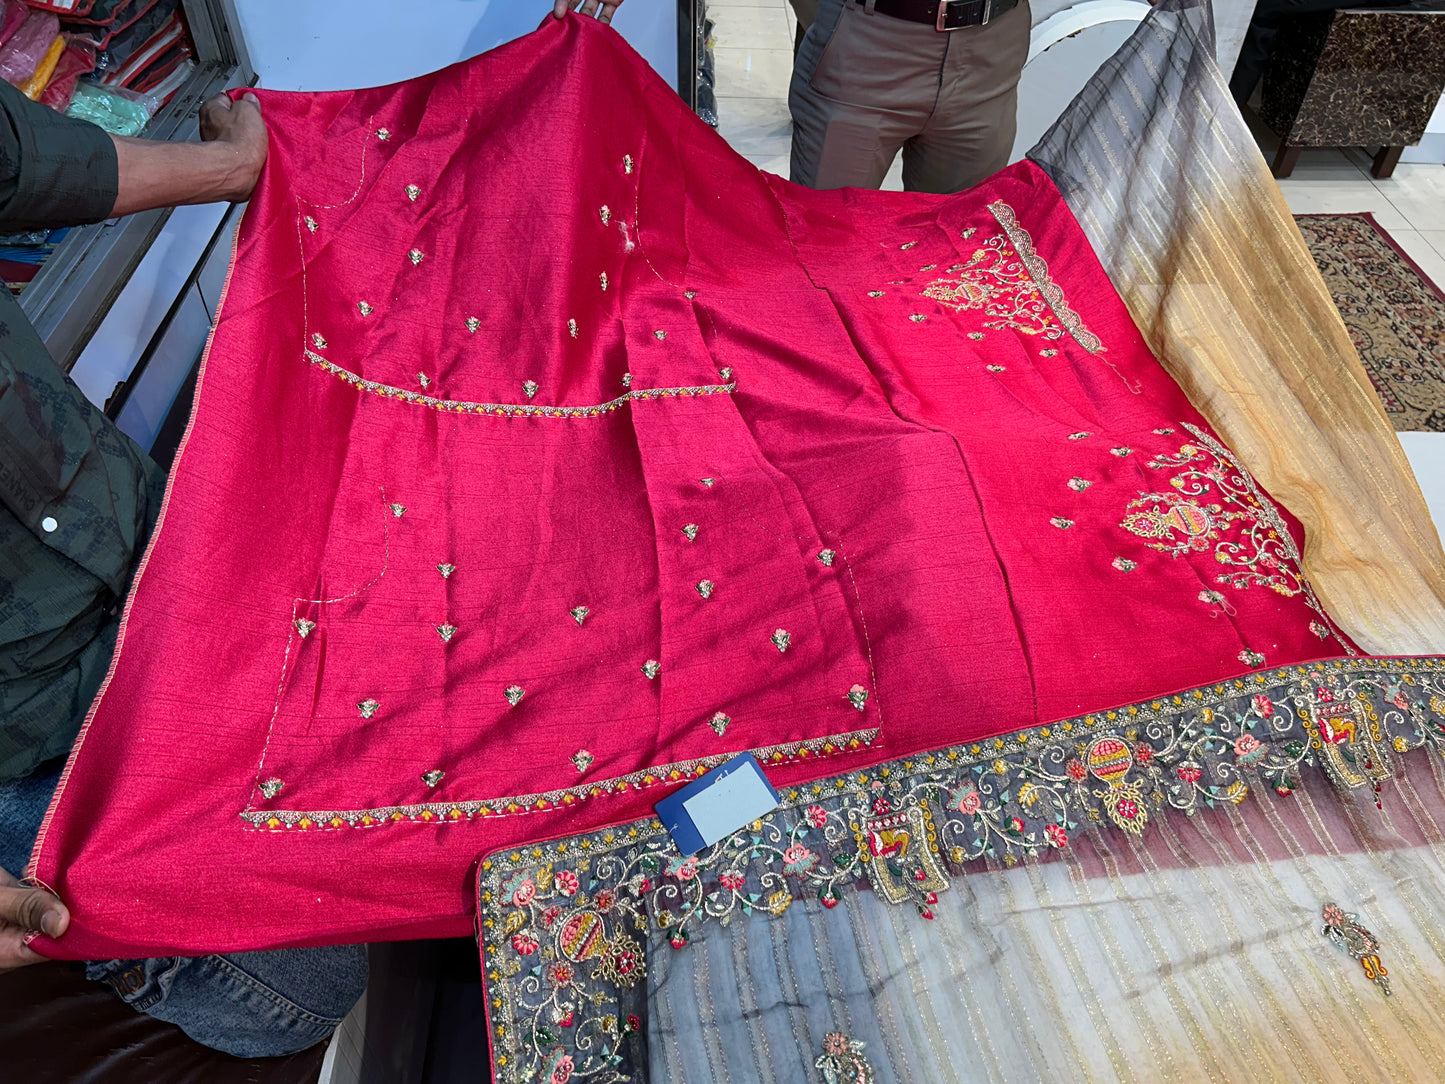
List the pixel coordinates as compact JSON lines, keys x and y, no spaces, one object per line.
{"x":237,"y":125}
{"x":22,"y":911}
{"x":589,"y":7}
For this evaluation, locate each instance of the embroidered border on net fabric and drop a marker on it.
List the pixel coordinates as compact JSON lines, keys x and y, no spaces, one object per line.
{"x":563,"y":924}
{"x":1039,"y":271}
{"x":513,"y":409}
{"x":454,"y":812}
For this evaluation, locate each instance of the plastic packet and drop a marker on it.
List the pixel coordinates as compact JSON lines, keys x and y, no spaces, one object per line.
{"x":13,"y":14}
{"x":120,"y":112}
{"x":37,"y":82}
{"x":22,"y":54}
{"x":77,"y":60}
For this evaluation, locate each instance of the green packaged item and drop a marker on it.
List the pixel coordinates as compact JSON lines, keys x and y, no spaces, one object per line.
{"x":117,"y":111}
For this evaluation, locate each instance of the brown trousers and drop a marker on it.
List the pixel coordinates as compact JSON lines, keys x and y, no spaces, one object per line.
{"x":866,"y":85}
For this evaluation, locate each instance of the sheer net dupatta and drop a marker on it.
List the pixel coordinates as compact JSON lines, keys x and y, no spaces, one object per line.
{"x":1166,"y":181}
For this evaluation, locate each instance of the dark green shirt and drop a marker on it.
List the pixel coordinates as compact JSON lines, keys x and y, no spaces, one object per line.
{"x":77,"y":497}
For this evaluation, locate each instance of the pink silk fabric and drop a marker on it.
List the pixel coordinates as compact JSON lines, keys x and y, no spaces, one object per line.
{"x":547,"y":453}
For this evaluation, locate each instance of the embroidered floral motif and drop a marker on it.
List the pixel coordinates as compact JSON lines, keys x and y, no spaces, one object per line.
{"x":415,"y":256}
{"x":572,"y":328}
{"x":304,"y":627}
{"x":602,"y":280}
{"x":726,"y":375}
{"x":842,"y":1061}
{"x":514,"y":694}
{"x":917,"y":317}
{"x":319,"y":341}
{"x":627,"y":380}
{"x":270,"y":788}
{"x":875,"y":293}
{"x":1345,"y":932}
{"x":1078,"y":485}
{"x":423,"y":380}
{"x":977,"y":336}
{"x":719,"y":722}
{"x":781,"y":639}
{"x":827,"y":557}
{"x":627,"y":163}
{"x":1123,"y":564}
{"x":968,"y":232}
{"x":433,"y":777}
{"x":446,"y":632}
{"x":705,"y":588}
{"x":364,"y":308}
{"x":1079,"y":436}
{"x":579,"y":613}
{"x":858,"y":697}
{"x":529,"y":388}
{"x":1251,"y":658}
{"x":690,"y":532}
{"x":1121,"y":451}
{"x":1039,"y":271}
{"x":446,"y":570}
{"x":1320,"y":630}
{"x":994,"y":368}
{"x":1061,"y":523}
{"x":582,"y":759}
{"x":907,"y":246}
{"x":1002,"y":799}
{"x":382,"y":134}
{"x":472,"y":324}
{"x":310,"y":223}
{"x":412,"y":192}
{"x":659,"y":335}
{"x":1244,"y":530}
{"x":651,"y":668}
{"x":1048,"y":353}
{"x":397,"y":510}
{"x":605,"y":214}
{"x":367,"y":708}
{"x":709,"y":482}
{"x":1163,"y":432}
{"x":1214,"y":598}
{"x":689,"y":294}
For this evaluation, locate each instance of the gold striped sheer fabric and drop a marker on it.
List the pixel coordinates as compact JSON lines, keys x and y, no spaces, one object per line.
{"x":1192,"y":953}
{"x":1159,"y":169}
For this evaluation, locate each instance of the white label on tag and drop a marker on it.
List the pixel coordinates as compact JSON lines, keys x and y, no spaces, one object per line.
{"x":728,"y":804}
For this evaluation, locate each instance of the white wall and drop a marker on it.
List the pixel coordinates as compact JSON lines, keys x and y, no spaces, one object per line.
{"x":307,"y":45}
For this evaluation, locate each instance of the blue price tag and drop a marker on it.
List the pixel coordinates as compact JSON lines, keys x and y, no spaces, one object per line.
{"x":718,"y":804}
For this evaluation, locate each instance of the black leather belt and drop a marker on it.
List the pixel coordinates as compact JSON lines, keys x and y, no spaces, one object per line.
{"x":944,"y":15}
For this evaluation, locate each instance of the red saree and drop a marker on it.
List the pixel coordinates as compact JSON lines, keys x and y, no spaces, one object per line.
{"x":547,"y":454}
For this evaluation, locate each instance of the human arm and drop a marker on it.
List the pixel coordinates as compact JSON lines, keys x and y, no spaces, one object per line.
{"x":23,"y":911}
{"x":589,"y":7}
{"x":224,"y":166}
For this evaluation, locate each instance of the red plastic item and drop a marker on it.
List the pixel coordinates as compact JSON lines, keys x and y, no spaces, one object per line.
{"x":78,"y":58}
{"x":21,"y":54}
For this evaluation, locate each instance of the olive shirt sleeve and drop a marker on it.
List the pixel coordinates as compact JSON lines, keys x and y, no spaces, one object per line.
{"x":77,"y":497}
{"x":54,"y":170}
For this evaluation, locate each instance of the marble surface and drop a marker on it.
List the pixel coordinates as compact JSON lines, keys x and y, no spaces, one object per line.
{"x":1356,"y":78}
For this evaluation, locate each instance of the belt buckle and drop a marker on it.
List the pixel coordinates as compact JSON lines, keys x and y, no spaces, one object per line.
{"x":941,"y":23}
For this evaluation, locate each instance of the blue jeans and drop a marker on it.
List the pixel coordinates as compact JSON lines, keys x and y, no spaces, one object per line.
{"x":249,"y":1004}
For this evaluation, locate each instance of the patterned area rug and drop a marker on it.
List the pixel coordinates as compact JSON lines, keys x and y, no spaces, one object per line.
{"x":1395,"y":314}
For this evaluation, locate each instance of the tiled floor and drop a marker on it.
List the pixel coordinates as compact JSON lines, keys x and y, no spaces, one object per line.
{"x":753,"y":51}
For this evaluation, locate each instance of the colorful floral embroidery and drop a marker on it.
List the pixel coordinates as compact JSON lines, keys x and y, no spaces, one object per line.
{"x":319,"y":341}
{"x":705,"y":588}
{"x":579,"y":613}
{"x":905,"y":827}
{"x":433,"y":777}
{"x":514,"y":694}
{"x":690,"y":530}
{"x":270,"y":788}
{"x":1061,"y":523}
{"x":781,"y":639}
{"x":415,"y":256}
{"x":382,"y":134}
{"x":581,"y":759}
{"x":1078,"y":485}
{"x":605,"y":214}
{"x":367,"y":707}
{"x":304,"y":627}
{"x":529,"y":388}
{"x":651,"y":668}
{"x":364,"y":307}
{"x":627,"y":163}
{"x":446,"y":570}
{"x":472,"y":324}
{"x":719,"y":722}
{"x":858,"y":697}
{"x":446,"y":632}
{"x":827,"y":557}
{"x":1123,"y":564}
{"x":1346,"y":934}
{"x":412,"y":192}
{"x":842,"y":1061}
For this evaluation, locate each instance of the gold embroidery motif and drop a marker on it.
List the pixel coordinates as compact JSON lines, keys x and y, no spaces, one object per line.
{"x":1024,"y":245}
